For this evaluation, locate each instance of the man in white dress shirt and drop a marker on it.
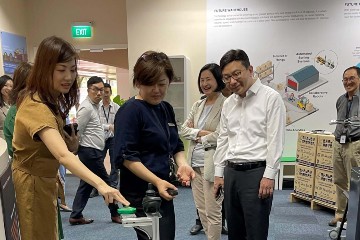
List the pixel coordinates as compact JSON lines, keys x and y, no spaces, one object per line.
{"x":249,"y":148}
{"x":107,"y":111}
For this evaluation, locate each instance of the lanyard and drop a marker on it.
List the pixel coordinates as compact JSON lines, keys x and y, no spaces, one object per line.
{"x":349,"y":103}
{"x":108,"y":115}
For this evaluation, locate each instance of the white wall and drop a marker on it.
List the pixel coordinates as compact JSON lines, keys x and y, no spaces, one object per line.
{"x":13,"y":20}
{"x":173,"y":27}
{"x":52,"y":17}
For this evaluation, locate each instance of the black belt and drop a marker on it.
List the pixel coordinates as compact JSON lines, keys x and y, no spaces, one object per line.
{"x":349,"y":139}
{"x":246,"y":165}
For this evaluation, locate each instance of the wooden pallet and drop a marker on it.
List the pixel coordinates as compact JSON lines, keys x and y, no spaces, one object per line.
{"x":316,"y":205}
{"x":297,"y":198}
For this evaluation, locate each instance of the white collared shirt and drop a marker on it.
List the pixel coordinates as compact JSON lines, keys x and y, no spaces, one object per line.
{"x":91,"y":131}
{"x":252,"y":129}
{"x":107,"y":116}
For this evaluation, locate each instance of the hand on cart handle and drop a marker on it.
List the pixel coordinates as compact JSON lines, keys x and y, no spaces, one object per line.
{"x":353,"y":121}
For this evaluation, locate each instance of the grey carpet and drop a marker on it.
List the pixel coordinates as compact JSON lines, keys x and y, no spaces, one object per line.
{"x":288,"y":221}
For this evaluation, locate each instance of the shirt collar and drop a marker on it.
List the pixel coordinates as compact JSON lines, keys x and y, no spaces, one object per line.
{"x":88,"y":98}
{"x":253,"y":90}
{"x":111,"y":103}
{"x":356,"y":94}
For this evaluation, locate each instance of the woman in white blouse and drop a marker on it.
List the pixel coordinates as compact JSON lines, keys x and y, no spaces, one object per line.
{"x":200,"y":128}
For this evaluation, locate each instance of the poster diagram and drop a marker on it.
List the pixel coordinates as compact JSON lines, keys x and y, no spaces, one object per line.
{"x":326,"y":61}
{"x":297,"y":84}
{"x":14,"y":51}
{"x":302,"y":59}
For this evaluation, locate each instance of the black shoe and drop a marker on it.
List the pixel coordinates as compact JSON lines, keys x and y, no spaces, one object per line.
{"x":94,"y":193}
{"x":224,"y":230}
{"x":80,"y":221}
{"x":196,"y":229}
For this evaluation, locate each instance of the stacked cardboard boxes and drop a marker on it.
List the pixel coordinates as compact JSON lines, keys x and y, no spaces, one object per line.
{"x":324,"y":190}
{"x":305,"y":169}
{"x":306,"y":148}
{"x":314,"y":171}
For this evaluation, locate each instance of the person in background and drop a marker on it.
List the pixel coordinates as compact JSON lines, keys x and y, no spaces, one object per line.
{"x":249,"y":147}
{"x":61,"y":190}
{"x":6,"y":85}
{"x":38,"y":141}
{"x":107,"y":111}
{"x":21,"y":72}
{"x":92,"y":143}
{"x":62,"y":170}
{"x":347,"y":139}
{"x":200,"y":128}
{"x":197,"y":227}
{"x":147,"y":141}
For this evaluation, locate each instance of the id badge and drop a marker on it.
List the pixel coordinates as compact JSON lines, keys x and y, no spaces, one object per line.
{"x":342,"y":139}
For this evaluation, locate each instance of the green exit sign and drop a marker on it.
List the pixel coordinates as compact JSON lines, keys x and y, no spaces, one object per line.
{"x":81,"y":31}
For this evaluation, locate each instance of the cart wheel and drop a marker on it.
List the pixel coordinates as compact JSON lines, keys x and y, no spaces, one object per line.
{"x":333,"y":234}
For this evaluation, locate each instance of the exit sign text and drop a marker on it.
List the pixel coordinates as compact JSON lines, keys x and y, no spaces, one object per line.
{"x":81,"y":31}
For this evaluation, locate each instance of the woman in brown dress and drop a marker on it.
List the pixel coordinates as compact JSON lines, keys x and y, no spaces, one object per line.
{"x":40,"y":144}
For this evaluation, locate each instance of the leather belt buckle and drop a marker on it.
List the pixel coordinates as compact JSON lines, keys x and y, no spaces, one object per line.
{"x":246,"y":166}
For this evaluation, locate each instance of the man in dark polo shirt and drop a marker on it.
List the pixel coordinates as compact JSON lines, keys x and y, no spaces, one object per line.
{"x":347,"y":138}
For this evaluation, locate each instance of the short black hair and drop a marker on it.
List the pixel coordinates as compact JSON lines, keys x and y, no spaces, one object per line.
{"x":94,"y":80}
{"x":106,"y":85}
{"x":355,"y":68}
{"x":5,"y":77}
{"x":150,"y":66}
{"x":234,"y":55}
{"x":216,"y":72}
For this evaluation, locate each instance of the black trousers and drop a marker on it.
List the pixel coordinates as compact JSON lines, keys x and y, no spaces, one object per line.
{"x":93,"y":159}
{"x":247,"y":216}
{"x":166,"y":222}
{"x":114,"y":173}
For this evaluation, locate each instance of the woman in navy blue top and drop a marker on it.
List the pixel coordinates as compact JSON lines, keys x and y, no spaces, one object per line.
{"x":146,"y":138}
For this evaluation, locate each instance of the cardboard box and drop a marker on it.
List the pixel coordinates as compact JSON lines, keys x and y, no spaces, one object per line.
{"x":306,"y":148}
{"x":324,"y":189}
{"x":304,"y":181}
{"x":325,"y":152}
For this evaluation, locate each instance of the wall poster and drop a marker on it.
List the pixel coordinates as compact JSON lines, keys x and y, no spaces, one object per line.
{"x":299,"y":48}
{"x":14,"y":51}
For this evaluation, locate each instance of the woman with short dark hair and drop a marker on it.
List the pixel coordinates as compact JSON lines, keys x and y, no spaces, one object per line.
{"x":146,"y":141}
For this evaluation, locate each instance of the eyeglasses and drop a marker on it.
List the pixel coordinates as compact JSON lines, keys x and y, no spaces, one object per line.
{"x":157,"y":56}
{"x":350,"y":79}
{"x":95,"y":89}
{"x":235,"y":75}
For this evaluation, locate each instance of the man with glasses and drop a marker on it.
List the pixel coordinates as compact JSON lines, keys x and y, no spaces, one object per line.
{"x":107,"y":111}
{"x":249,"y":147}
{"x":347,"y":137}
{"x":90,"y":152}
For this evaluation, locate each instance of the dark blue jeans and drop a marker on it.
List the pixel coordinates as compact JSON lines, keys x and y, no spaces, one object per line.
{"x":93,"y":159}
{"x":114,"y":173}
